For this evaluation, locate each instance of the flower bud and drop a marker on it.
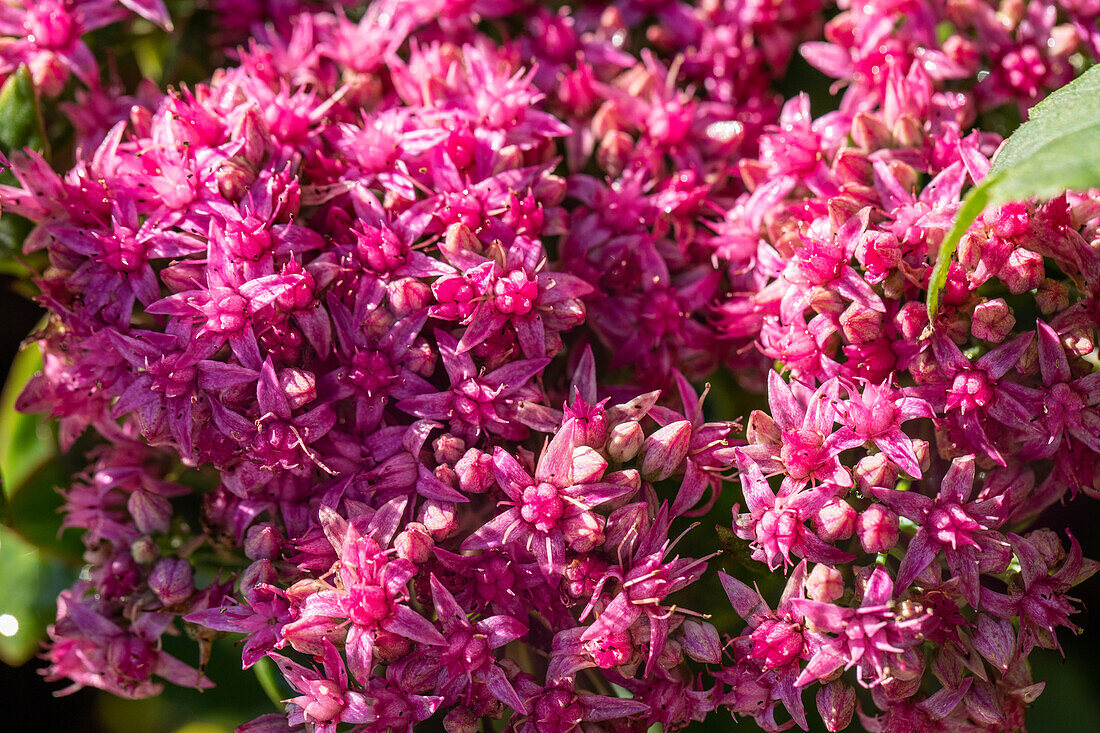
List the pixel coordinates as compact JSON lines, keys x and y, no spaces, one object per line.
{"x":995,"y":640}
{"x":389,"y":647}
{"x":877,"y":528}
{"x":878,"y":252}
{"x":870,"y":132}
{"x":860,"y":323}
{"x":131,"y":657}
{"x":583,"y":531}
{"x":233,"y":177}
{"x":615,"y":151}
{"x":836,"y":704}
{"x":171,"y":581}
{"x":263,"y":542}
{"x":415,"y":543}
{"x":1022,"y":272}
{"x":461,"y":720}
{"x":298,"y":592}
{"x":144,"y":550}
{"x":665,"y":450}
{"x":852,"y":166}
{"x":911,"y":320}
{"x":151,"y":512}
{"x":762,"y":429}
{"x":624,"y":527}
{"x":261,"y":571}
{"x":438,"y":517}
{"x":475,"y":472}
{"x":700,"y":641}
{"x":1052,"y":296}
{"x":923,"y":453}
{"x":299,"y":385}
{"x":824,"y":584}
{"x":625,"y":441}
{"x":908,"y":132}
{"x":835,"y":521}
{"x":992,"y":321}
{"x":408,"y":296}
{"x":875,"y":470}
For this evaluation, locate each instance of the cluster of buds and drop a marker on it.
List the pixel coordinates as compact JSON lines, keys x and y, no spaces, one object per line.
{"x":346,"y":301}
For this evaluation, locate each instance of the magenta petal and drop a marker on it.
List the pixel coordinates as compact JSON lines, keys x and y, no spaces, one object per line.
{"x":959,"y":480}
{"x":1000,"y":360}
{"x":556,"y":463}
{"x":909,"y":504}
{"x":743,"y":598}
{"x":758,"y":495}
{"x":411,"y":625}
{"x":922,"y":551}
{"x":502,"y":689}
{"x":501,"y":629}
{"x":1052,"y":357}
{"x":899,"y":449}
{"x":598,"y":707}
{"x":493,"y":533}
{"x":484,"y":323}
{"x":510,"y":476}
{"x":359,"y":648}
{"x":179,"y":673}
{"x":450,"y":614}
{"x":880,"y":588}
{"x":941,"y":703}
{"x":514,"y":375}
{"x":617,"y":616}
{"x":822,"y":664}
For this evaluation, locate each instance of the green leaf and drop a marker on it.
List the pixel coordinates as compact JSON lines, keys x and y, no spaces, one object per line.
{"x":26,"y":441}
{"x":31,"y":581}
{"x":20,"y":116}
{"x":32,"y":467}
{"x":1054,"y":151}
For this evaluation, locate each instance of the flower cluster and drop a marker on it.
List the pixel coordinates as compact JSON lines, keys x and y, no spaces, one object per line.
{"x":336,"y":314}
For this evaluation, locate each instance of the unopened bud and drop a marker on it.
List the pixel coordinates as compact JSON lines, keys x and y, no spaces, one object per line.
{"x":909,"y":132}
{"x":877,"y":528}
{"x":389,"y":647}
{"x":625,"y":527}
{"x":824,"y":584}
{"x":625,"y":441}
{"x":870,"y":132}
{"x":462,"y":720}
{"x":836,"y":704}
{"x":261,"y":571}
{"x":171,"y":581}
{"x":852,"y":166}
{"x":1022,"y":272}
{"x":415,"y":543}
{"x":875,"y":470}
{"x":700,"y":641}
{"x":263,"y":542}
{"x":835,"y":521}
{"x":860,"y":323}
{"x":299,"y":385}
{"x":151,"y":512}
{"x":992,"y":321}
{"x":665,"y":450}
{"x":144,"y":551}
{"x":1052,"y":296}
{"x":438,"y":517}
{"x":408,"y":296}
{"x":475,"y":472}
